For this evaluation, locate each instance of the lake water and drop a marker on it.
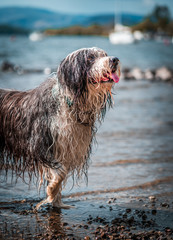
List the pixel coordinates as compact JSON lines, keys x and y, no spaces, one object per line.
{"x":50,"y":51}
{"x":134,"y":154}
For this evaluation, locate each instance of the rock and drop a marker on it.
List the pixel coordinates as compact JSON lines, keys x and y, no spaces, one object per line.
{"x":103,"y":235}
{"x":110,"y":208}
{"x":137,"y":73}
{"x":87,"y":238}
{"x":149,"y":74}
{"x":64,"y":224}
{"x":126,"y":74}
{"x":152,"y":198}
{"x":7,"y":66}
{"x":128,"y":210}
{"x":154,"y":211}
{"x":47,"y":71}
{"x":111,"y":200}
{"x":10,"y":67}
{"x":165,"y":205}
{"x":163,"y":74}
{"x":101,"y":206}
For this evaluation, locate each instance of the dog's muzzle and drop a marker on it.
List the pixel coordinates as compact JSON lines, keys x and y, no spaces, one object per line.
{"x":113,"y":74}
{"x":114,"y":61}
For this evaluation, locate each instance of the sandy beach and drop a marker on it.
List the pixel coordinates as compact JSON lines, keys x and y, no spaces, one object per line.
{"x":115,"y":215}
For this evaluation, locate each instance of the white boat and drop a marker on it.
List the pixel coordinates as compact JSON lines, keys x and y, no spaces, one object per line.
{"x":36,"y":36}
{"x":138,"y":35}
{"x":121,"y":35}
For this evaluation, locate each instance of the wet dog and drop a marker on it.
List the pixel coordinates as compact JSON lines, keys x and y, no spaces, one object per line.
{"x":48,"y":131}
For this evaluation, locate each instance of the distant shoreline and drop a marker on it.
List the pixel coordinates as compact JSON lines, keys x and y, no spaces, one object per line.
{"x":77,"y":30}
{"x":93,"y":30}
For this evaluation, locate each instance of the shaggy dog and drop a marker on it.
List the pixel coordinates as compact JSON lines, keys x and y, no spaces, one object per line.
{"x":48,"y":131}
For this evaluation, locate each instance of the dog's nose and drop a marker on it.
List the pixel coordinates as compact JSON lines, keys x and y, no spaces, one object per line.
{"x":114,"y":61}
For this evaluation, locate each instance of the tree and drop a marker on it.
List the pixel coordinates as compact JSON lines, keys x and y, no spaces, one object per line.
{"x":158,"y":21}
{"x":161,"y":16}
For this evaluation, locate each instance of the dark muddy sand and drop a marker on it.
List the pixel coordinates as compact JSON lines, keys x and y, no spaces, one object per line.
{"x":115,"y":215}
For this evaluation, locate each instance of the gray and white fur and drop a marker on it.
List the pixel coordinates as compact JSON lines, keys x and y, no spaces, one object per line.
{"x":48,"y":131}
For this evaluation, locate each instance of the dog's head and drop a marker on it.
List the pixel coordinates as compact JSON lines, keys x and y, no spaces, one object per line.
{"x":88,"y":68}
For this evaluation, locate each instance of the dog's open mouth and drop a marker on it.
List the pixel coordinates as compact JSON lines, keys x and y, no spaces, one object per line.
{"x":110,"y":77}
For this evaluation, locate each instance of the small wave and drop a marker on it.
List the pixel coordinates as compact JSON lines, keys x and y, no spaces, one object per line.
{"x":114,"y":190}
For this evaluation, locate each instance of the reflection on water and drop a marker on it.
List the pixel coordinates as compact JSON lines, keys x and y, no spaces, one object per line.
{"x":134,"y":152}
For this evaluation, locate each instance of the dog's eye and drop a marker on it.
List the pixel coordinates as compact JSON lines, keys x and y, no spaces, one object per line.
{"x":90,"y":58}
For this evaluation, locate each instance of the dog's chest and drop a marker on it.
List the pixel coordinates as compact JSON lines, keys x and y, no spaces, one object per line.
{"x":80,"y":140}
{"x":73,"y":142}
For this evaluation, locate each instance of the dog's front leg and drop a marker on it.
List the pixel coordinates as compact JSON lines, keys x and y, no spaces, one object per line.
{"x":54,"y":189}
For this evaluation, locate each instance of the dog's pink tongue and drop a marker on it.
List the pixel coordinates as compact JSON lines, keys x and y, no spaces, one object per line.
{"x":114,"y":77}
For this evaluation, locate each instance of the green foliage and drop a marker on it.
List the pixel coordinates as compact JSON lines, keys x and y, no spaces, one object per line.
{"x":158,"y":21}
{"x":161,"y":13}
{"x":79,"y":30}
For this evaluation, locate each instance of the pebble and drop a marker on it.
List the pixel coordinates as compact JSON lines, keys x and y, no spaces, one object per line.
{"x":87,"y":238}
{"x":110,"y":208}
{"x":103,"y":235}
{"x":154,"y":211}
{"x":64,"y":224}
{"x":167,"y":229}
{"x":165,"y":205}
{"x":111,"y":200}
{"x":144,"y":217}
{"x":68,"y":228}
{"x":152,"y":198}
{"x":101,"y":206}
{"x":89,"y":222}
{"x":128,"y":210}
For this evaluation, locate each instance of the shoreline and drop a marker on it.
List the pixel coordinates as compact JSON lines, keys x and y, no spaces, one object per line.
{"x":162,"y":73}
{"x":149,"y":217}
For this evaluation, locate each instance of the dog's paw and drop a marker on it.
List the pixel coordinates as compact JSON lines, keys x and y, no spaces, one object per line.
{"x":62,"y":205}
{"x":45,"y":201}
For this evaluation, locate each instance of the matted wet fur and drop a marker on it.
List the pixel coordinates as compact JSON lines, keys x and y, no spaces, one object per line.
{"x":48,"y":131}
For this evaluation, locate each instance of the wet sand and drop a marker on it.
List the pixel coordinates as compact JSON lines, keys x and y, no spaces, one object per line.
{"x":110,"y":215}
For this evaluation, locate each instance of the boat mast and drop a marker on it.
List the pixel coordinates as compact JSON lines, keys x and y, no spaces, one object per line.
{"x":118,"y":12}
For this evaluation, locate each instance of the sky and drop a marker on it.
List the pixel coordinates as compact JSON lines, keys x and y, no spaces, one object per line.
{"x":91,"y":6}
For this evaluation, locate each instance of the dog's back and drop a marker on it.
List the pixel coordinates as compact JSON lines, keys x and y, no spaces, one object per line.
{"x":24,"y":128}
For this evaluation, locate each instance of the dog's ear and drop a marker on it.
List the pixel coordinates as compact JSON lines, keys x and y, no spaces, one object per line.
{"x":72,"y":73}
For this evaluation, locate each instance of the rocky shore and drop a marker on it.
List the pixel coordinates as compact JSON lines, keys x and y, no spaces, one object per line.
{"x":160,"y":74}
{"x":163,"y":73}
{"x":132,"y":218}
